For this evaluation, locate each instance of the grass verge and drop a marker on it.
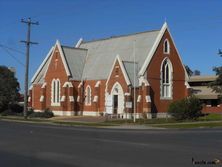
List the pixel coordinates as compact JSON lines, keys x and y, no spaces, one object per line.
{"x":211,"y":117}
{"x":48,"y":121}
{"x":208,"y":121}
{"x":191,"y":125}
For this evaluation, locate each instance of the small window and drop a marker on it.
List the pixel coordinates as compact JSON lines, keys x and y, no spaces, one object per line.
{"x":56,"y":60}
{"x":166,"y":47}
{"x":116,"y":71}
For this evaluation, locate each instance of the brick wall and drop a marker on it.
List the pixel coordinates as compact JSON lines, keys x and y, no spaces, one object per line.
{"x":153,"y":75}
{"x":210,"y":109}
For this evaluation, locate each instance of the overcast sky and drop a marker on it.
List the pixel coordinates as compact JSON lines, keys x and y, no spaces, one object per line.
{"x":196,"y":27}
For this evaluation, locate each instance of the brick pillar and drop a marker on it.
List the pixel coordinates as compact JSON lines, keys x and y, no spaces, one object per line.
{"x":146,"y":99}
{"x":64,"y":94}
{"x":80,"y":98}
{"x":128,"y":99}
{"x":70,"y":103}
{"x":96,"y":103}
{"x":30,"y":99}
{"x":139,"y":106}
{"x":43,"y":93}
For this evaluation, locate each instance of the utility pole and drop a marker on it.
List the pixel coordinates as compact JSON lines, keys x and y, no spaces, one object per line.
{"x":134,"y":81}
{"x":27,"y":42}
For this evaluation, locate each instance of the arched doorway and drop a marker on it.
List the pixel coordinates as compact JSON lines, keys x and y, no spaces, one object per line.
{"x":117,"y":95}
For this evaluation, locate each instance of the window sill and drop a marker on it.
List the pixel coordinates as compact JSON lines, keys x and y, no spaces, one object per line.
{"x":166,"y":98}
{"x":55,"y":104}
{"x":87,"y":104}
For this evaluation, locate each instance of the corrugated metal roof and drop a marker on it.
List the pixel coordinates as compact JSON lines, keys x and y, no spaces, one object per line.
{"x":102,"y":53}
{"x":93,"y":60}
{"x":129,"y":67}
{"x":204,"y":92}
{"x":201,"y":78}
{"x":75,"y":59}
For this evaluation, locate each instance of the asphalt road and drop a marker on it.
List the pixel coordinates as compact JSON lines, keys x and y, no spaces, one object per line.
{"x":32,"y":145}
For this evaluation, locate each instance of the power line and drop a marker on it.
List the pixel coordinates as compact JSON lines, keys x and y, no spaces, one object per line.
{"x":6,"y":25}
{"x":20,"y":62}
{"x":12,"y":49}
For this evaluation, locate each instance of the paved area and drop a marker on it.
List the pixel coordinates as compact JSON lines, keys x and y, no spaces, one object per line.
{"x":79,"y":119}
{"x":25,"y":145}
{"x":131,"y":126}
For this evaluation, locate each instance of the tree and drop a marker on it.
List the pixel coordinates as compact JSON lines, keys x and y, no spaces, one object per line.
{"x":189,"y":71}
{"x":217,"y":84}
{"x":196,"y":72}
{"x":9,"y":88}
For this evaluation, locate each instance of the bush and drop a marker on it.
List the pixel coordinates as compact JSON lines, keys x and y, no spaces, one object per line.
{"x":46,"y":114}
{"x":13,"y":110}
{"x":188,"y":108}
{"x":10,"y":112}
{"x":30,"y":111}
{"x":16,"y":108}
{"x":144,"y":115}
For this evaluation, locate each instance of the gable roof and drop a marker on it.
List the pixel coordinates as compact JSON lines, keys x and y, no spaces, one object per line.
{"x":64,"y":61}
{"x":93,"y":60}
{"x":39,"y":74}
{"x":73,"y":60}
{"x":153,"y":49}
{"x":129,"y":67}
{"x":122,"y":69}
{"x":101,"y":53}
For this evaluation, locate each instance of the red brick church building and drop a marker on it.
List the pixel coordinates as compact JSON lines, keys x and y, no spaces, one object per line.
{"x":98,"y":77}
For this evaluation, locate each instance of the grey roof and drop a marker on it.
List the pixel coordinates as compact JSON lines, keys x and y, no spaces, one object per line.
{"x":75,"y":59}
{"x":93,"y":60}
{"x":204,"y":92}
{"x":201,"y":78}
{"x":129,"y":67}
{"x":102,"y":53}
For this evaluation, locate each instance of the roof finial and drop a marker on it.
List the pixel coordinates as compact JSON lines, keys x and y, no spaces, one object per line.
{"x":57,"y":42}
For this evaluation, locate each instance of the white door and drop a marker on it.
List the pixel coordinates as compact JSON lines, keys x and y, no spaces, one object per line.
{"x":109,"y":104}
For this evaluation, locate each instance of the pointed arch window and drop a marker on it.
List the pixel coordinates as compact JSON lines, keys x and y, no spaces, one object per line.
{"x":55,"y":92}
{"x":166,"y":79}
{"x":88,"y":95}
{"x":166,"y":47}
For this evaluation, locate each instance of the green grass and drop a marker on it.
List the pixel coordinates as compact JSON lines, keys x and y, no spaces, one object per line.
{"x":48,"y":121}
{"x":191,"y":125}
{"x":21,"y":118}
{"x":210,"y":120}
{"x":211,"y":117}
